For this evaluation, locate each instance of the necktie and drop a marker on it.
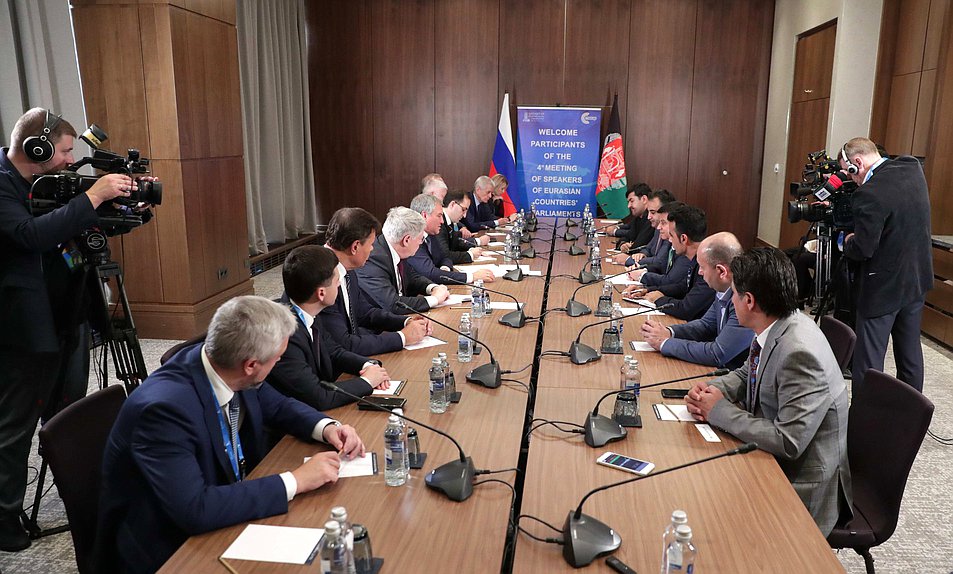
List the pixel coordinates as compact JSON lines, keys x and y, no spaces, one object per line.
{"x":671,"y":257}
{"x":351,"y":299}
{"x":754,"y":358}
{"x":400,"y":277}
{"x":720,"y":310}
{"x":234,"y":407}
{"x":315,"y":344}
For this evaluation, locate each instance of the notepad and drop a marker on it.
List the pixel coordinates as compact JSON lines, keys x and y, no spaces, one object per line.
{"x":623,"y":280}
{"x":284,"y":544}
{"x":393,"y":388}
{"x":427,"y":341}
{"x":641,"y":347}
{"x":666,"y":412}
{"x":363,"y":466}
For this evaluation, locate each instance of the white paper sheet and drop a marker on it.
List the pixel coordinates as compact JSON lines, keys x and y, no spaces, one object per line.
{"x":285,"y":544}
{"x":626,"y":311}
{"x":608,"y":221}
{"x":483,"y":258}
{"x":673,"y":413}
{"x":454,"y":299}
{"x":392,"y":387}
{"x":624,"y":280}
{"x":525,"y":268}
{"x":496,"y":244}
{"x":363,"y":466}
{"x":503,"y":305}
{"x":707,"y":432}
{"x":426,"y":342}
{"x":641,"y":347}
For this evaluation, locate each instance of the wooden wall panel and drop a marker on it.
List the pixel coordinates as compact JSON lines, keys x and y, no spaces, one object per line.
{"x":931,"y":48}
{"x":466,"y":80}
{"x":729,"y":99}
{"x":531,"y":51}
{"x":939,"y":168}
{"x":341,"y":99}
{"x":403,"y":88}
{"x":597,"y":58}
{"x":911,"y":35}
{"x":902,"y":113}
{"x":659,"y":111}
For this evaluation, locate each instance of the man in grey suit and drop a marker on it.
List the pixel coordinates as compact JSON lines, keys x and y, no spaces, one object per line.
{"x":789,"y":397}
{"x":717,"y":339}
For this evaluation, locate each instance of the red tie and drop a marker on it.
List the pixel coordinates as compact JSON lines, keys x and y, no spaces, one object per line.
{"x":400,"y":277}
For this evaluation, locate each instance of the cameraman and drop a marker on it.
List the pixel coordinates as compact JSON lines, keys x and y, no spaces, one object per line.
{"x":892,"y":243}
{"x":36,"y":270}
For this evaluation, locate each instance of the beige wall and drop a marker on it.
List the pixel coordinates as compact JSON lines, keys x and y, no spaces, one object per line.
{"x":852,"y":88}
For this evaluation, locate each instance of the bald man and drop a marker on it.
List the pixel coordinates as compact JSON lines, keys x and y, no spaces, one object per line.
{"x":716,"y":339}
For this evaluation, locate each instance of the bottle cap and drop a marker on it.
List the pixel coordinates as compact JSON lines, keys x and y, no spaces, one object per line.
{"x":683,"y":532}
{"x":339,"y":513}
{"x":332,"y":528}
{"x":398,"y":411}
{"x":679,"y":517}
{"x":392,"y":419}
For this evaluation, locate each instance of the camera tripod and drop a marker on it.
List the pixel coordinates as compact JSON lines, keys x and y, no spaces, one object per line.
{"x":115,"y":331}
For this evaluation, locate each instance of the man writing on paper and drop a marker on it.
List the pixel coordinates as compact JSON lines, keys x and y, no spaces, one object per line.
{"x":176,"y":459}
{"x":717,"y":339}
{"x":353,"y":321}
{"x":789,"y":397}
{"x":312,"y":284}
{"x":387,"y":279}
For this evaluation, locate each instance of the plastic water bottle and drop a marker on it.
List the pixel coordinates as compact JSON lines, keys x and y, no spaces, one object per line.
{"x":406,"y":430}
{"x":680,"y":554}
{"x":633,"y":380}
{"x":335,"y":557}
{"x":617,"y":317}
{"x":604,"y":308}
{"x":465,"y":345}
{"x":339,"y":514}
{"x":476,"y":299}
{"x":449,"y":381}
{"x":438,"y":388}
{"x":395,"y":453}
{"x":487,"y":304}
{"x":532,"y":213}
{"x":668,"y":537}
{"x":595,"y":258}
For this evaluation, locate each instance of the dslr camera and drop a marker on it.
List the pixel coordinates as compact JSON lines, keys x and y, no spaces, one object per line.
{"x":832,"y":195}
{"x":122,"y":214}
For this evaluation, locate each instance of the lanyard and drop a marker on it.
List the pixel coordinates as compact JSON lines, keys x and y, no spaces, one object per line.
{"x":238,"y":463}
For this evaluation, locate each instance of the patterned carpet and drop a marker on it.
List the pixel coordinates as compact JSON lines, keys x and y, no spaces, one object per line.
{"x":921,"y":544}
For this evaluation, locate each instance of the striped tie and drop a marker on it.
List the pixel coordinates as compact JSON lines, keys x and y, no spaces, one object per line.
{"x":351,"y":302}
{"x":754,"y":358}
{"x":233,"y":413}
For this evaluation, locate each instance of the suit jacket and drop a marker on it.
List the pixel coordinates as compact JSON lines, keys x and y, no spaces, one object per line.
{"x":658,"y":263}
{"x":715,"y":339}
{"x":673,"y":281}
{"x":379,"y":281}
{"x":25,"y":282}
{"x":299,"y":372}
{"x":479,"y":216}
{"x":376,"y":331}
{"x":892,"y":238}
{"x":453,"y":245}
{"x":428,"y":260}
{"x":639,"y":231}
{"x":166,"y":475}
{"x":697,"y":299}
{"x":800,"y":415}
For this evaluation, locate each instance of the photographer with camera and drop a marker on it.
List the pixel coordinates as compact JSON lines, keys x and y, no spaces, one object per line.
{"x":892,"y":244}
{"x":38,"y":261}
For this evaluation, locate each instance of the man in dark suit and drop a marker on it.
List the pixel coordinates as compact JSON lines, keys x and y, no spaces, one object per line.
{"x":480,"y":215}
{"x":656,"y":244}
{"x":638,"y":230}
{"x":36,"y":343}
{"x":717,"y":339}
{"x":386,"y":279}
{"x":789,"y":397}
{"x":312,"y":284}
{"x":176,"y":459}
{"x":892,"y":243}
{"x":691,"y":297}
{"x":460,"y":250}
{"x":431,"y":260}
{"x":353,"y":321}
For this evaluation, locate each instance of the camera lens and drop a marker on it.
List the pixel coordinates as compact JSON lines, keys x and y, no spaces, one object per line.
{"x":149,"y":192}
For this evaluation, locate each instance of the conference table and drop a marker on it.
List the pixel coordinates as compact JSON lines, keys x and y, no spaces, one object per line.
{"x":744,"y":514}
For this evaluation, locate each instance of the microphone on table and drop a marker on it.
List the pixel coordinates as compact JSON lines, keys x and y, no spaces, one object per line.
{"x":586,"y":277}
{"x":575,"y":308}
{"x":585,"y":538}
{"x":515,"y":319}
{"x":487,"y":375}
{"x":575,"y":249}
{"x":454,"y":479}
{"x":580,"y":353}
{"x":569,"y":236}
{"x":570,"y":223}
{"x":601,"y":429}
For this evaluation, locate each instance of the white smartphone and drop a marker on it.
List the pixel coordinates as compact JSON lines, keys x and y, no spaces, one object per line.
{"x":628,"y":464}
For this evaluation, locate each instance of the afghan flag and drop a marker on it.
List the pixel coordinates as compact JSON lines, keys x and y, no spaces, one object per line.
{"x":610,"y":190}
{"x":504,"y":158}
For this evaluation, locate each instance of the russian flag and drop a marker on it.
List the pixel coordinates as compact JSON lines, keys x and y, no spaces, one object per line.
{"x":504,"y":158}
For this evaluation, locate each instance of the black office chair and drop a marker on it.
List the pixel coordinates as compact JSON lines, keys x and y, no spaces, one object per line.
{"x":179,"y":346}
{"x":885,"y":428}
{"x":842,"y":340}
{"x":73,"y":443}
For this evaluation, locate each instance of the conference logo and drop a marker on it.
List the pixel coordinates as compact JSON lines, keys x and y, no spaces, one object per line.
{"x":587,"y":118}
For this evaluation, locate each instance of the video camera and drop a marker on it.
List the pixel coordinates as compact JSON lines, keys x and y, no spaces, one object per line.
{"x":833,"y":194}
{"x":117,"y":216}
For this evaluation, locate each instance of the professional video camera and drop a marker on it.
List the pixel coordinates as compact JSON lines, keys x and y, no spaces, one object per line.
{"x":116,"y":217}
{"x":832,"y":205}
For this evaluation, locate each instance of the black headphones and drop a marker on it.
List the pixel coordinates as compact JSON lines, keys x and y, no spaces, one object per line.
{"x":851,"y":167}
{"x":40,"y":148}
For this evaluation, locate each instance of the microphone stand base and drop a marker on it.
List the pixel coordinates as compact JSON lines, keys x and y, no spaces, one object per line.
{"x":528,"y":253}
{"x":587,"y":539}
{"x":515,"y":319}
{"x":570,"y":223}
{"x":514,"y":275}
{"x":601,"y":430}
{"x":580,"y":353}
{"x":576,"y":309}
{"x":487,"y":375}
{"x":454,"y":479}
{"x":575,"y":250}
{"x":570,"y":237}
{"x":586,"y":277}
